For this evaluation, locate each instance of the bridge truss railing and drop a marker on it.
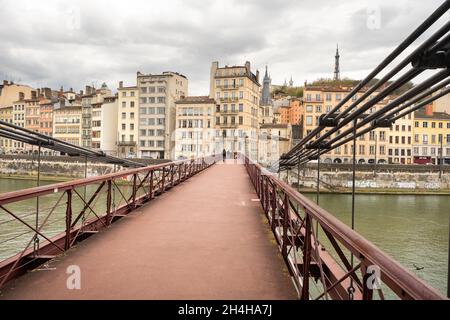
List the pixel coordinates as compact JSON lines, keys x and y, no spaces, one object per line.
{"x":32,"y":234}
{"x":343,"y":264}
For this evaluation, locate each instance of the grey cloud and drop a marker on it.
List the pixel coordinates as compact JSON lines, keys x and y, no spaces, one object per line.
{"x":73,"y":43}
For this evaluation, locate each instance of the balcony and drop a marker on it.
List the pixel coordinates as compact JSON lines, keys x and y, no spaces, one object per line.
{"x":229,"y":125}
{"x":231,"y":112}
{"x":126,"y":143}
{"x":229,"y":99}
{"x":229,"y":86}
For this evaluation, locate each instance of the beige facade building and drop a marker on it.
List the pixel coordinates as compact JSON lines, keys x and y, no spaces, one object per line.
{"x":274,"y":140}
{"x":431,"y":141}
{"x":157,"y":96}
{"x":370,"y":147}
{"x":67,"y":123}
{"x":6,"y":145}
{"x":237,"y":93}
{"x":442,"y":104}
{"x":11,"y":92}
{"x":127,"y":117}
{"x":195,"y":133}
{"x":90,"y":98}
{"x":400,"y":141}
{"x":104,"y":125}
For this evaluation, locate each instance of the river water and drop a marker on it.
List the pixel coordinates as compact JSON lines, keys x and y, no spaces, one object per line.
{"x":413,"y":229}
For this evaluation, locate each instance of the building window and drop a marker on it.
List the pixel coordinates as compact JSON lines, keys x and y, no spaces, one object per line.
{"x":425,"y":124}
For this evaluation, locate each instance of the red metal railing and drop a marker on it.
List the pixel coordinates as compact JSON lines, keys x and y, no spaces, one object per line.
{"x":295,"y":222}
{"x":82,"y":213}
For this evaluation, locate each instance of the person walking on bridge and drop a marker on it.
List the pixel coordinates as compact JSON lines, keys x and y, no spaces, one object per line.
{"x":224,"y":155}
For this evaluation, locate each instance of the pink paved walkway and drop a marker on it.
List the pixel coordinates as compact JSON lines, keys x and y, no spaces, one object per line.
{"x":205,"y":239}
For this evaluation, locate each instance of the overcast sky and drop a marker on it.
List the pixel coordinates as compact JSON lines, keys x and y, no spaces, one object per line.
{"x":73,"y":43}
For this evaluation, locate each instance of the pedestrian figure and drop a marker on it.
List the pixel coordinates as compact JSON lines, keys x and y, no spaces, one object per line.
{"x":224,"y":155}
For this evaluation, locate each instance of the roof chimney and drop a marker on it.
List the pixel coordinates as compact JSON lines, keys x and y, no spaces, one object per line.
{"x":81,"y":92}
{"x":120,"y":84}
{"x":61,"y":89}
{"x":5,"y":82}
{"x":429,"y":110}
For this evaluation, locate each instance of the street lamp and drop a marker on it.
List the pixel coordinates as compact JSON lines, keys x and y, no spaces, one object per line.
{"x":441,"y":162}
{"x":375,"y":164}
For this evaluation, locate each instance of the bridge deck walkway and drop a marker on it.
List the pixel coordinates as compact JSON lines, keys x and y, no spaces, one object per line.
{"x":204,"y":239}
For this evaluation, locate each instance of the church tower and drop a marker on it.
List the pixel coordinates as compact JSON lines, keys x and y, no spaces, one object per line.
{"x":337,"y":73}
{"x":265,"y":94}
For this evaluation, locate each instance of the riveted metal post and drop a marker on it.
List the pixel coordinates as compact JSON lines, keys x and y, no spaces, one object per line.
{"x":68,"y":218}
{"x":285,"y":225}
{"x":134,"y":190}
{"x":108,"y":203}
{"x":306,"y":258}
{"x":150,"y":189}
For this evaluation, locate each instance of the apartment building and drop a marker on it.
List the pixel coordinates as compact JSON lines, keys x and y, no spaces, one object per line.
{"x":431,"y":136}
{"x":370,"y":148}
{"x":128,"y":111}
{"x":12,"y":109}
{"x":90,"y":97}
{"x":237,"y":93}
{"x":292,"y":113}
{"x":274,"y":140}
{"x":18,"y":117}
{"x":67,"y":123}
{"x":195,"y":132}
{"x":46,"y":117}
{"x":157,"y":112}
{"x":400,"y":140}
{"x":104,"y":125}
{"x":6,"y":145}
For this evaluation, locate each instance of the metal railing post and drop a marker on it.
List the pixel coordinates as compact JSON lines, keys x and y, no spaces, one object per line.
{"x":68,"y":219}
{"x":306,"y":258}
{"x":150,"y":189}
{"x":285,"y":225}
{"x":108,"y":203}
{"x":134,"y":190}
